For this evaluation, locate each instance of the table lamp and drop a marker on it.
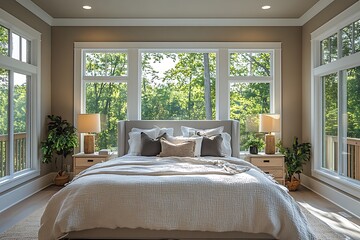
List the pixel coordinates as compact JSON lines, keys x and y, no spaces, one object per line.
{"x":89,"y":124}
{"x":269,"y":123}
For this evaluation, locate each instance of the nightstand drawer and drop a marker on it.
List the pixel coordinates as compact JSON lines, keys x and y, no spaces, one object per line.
{"x":87,"y":162}
{"x":275,"y":172}
{"x":268,"y":162}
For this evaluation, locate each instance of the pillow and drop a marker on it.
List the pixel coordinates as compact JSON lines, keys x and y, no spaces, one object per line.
{"x":183,"y":149}
{"x":188,"y":131}
{"x":196,"y":139}
{"x":211,"y":146}
{"x":135,"y":139}
{"x":168,"y":131}
{"x":150,"y":146}
{"x":226,"y":144}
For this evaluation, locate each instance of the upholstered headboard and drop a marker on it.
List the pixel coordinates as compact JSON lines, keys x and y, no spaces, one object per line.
{"x":230,"y":126}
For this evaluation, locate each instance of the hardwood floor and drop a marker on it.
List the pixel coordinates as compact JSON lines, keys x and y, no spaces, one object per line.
{"x":341,"y":221}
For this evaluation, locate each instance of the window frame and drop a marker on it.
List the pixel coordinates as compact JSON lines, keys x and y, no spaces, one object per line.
{"x":32,"y":69}
{"x":342,"y":63}
{"x":134,"y":50}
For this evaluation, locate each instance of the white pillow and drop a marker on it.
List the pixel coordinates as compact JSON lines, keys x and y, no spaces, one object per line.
{"x":135,"y":139}
{"x":226,"y":144}
{"x":168,"y":131}
{"x":189,"y":131}
{"x":196,"y":139}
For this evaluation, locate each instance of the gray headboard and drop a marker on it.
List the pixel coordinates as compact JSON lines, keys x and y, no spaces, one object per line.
{"x":230,"y":126}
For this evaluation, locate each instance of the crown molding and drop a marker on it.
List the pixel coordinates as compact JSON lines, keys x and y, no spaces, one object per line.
{"x":319,"y":6}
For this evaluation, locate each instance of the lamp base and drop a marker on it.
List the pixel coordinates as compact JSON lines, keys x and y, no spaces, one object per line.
{"x":89,"y":143}
{"x":269,"y":144}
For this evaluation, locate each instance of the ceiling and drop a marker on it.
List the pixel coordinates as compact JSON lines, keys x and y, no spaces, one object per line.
{"x":175,"y":12}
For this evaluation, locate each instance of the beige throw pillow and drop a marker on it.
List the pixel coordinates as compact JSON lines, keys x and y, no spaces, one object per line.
{"x":182,"y":149}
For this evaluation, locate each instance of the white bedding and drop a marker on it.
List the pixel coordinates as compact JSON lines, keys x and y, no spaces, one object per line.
{"x":212,"y":194}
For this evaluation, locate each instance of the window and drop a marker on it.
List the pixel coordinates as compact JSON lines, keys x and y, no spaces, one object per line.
{"x":336,"y":94}
{"x":251,"y":91}
{"x":19,"y":102}
{"x":105,"y":92}
{"x":176,"y":81}
{"x":178,"y":85}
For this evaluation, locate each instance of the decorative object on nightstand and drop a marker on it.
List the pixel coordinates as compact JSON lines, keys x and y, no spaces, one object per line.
{"x":269,"y":123}
{"x":82,"y":161}
{"x":272,"y":164}
{"x":295,"y":157}
{"x":61,"y":139}
{"x":89,"y":124}
{"x":254,"y":144}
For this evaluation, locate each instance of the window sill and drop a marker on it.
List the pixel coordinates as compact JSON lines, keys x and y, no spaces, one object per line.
{"x":12,"y":181}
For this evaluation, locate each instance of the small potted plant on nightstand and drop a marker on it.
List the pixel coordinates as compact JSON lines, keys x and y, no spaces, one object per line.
{"x":295,"y":157}
{"x":61,"y":141}
{"x":254,"y":144}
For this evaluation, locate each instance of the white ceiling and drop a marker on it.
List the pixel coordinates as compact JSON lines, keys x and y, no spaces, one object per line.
{"x":175,"y":12}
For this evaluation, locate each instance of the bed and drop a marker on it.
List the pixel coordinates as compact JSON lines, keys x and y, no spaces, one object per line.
{"x":151,"y":197}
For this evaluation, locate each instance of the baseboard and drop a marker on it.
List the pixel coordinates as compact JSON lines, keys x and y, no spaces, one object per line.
{"x":20,"y":193}
{"x":340,"y":199}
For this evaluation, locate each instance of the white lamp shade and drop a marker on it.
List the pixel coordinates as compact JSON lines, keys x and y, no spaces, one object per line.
{"x":269,"y":123}
{"x":88,"y":123}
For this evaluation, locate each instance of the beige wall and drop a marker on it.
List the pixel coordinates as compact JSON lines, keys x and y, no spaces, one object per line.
{"x":324,"y":16}
{"x":63,"y":39}
{"x":24,"y":15}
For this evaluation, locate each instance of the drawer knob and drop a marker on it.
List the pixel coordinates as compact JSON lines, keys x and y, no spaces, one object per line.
{"x":267,"y":172}
{"x":266,"y":161}
{"x":90,"y":160}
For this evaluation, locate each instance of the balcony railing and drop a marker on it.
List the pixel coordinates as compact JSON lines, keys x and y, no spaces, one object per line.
{"x":19,"y":153}
{"x":353,"y":156}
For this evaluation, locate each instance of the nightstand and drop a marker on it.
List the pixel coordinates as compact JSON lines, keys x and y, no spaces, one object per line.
{"x":272,"y":164}
{"x":82,"y":161}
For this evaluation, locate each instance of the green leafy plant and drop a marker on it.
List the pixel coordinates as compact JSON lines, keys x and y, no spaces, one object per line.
{"x":295,"y":157}
{"x":61,"y":140}
{"x":254,"y":142}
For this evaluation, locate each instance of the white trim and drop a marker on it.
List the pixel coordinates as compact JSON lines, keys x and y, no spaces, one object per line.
{"x":35,"y":9}
{"x":19,"y":194}
{"x":318,"y":7}
{"x":335,"y":196}
{"x":312,"y":12}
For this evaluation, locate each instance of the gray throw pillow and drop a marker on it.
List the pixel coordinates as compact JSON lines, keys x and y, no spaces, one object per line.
{"x":211,"y":146}
{"x":150,"y":146}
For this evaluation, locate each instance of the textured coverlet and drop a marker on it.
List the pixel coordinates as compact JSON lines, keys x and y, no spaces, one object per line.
{"x":194,"y":194}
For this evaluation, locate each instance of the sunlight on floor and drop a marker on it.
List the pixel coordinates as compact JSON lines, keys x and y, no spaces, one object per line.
{"x":335,"y":220}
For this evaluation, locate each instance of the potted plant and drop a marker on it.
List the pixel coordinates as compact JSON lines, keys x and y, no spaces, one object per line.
{"x":254,"y":144}
{"x":61,"y":141}
{"x":295,"y":157}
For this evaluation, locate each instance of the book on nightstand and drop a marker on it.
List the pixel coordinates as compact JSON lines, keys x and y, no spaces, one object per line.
{"x":105,"y":152}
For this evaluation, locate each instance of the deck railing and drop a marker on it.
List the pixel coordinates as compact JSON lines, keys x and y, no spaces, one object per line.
{"x":19,"y":153}
{"x":353,"y":155}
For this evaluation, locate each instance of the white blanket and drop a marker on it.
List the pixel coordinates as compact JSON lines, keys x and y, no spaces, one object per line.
{"x":191,"y":194}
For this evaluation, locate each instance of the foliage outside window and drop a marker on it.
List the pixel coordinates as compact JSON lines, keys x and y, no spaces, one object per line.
{"x":178,"y":86}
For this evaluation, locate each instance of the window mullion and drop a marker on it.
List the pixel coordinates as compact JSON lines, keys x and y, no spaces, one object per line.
{"x":11,"y":125}
{"x":342,"y":126}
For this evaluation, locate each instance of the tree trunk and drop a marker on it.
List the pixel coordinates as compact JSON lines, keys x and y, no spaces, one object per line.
{"x":207,"y":87}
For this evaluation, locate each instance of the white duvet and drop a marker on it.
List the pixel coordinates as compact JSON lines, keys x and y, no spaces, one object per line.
{"x":218,"y":195}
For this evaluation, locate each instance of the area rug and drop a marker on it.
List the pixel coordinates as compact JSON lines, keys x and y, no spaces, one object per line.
{"x":28,"y":228}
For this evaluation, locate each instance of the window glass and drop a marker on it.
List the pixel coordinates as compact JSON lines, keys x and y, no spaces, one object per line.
{"x":347,"y":43}
{"x":250,"y":64}
{"x":357,"y":36}
{"x":178,"y":86}
{"x":15,"y":44}
{"x":4,"y":41}
{"x":20,"y":122}
{"x":25,"y":50}
{"x":4,"y":113}
{"x":325,"y":51}
{"x":330,"y":124}
{"x":106,"y":64}
{"x":333,"y":48}
{"x":110,"y":100}
{"x":353,"y":124}
{"x":247,"y":100}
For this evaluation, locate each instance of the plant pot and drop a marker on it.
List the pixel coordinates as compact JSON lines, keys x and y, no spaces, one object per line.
{"x":254,"y":150}
{"x":61,"y":180}
{"x":293,"y":184}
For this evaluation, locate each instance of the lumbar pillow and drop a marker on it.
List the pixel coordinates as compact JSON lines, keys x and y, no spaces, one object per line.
{"x":196,"y":139}
{"x":182,"y":149}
